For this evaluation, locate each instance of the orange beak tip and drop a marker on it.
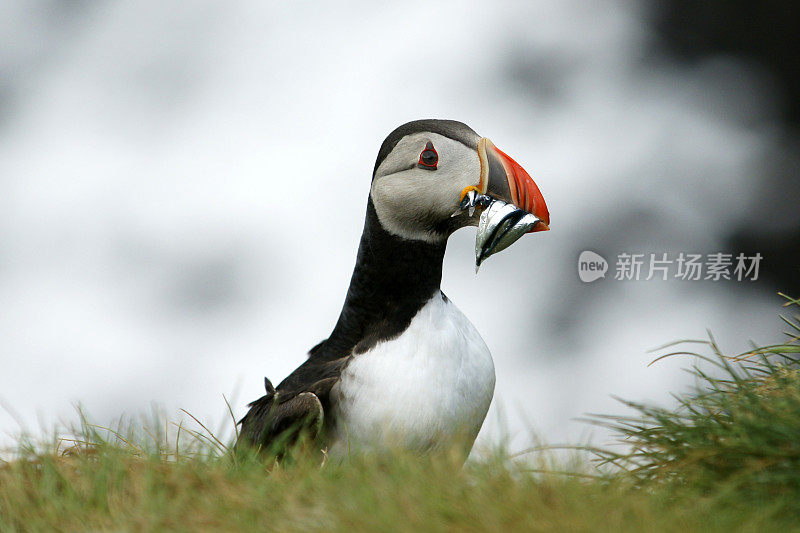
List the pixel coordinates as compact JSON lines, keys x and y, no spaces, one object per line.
{"x":525,"y":194}
{"x":540,"y":226}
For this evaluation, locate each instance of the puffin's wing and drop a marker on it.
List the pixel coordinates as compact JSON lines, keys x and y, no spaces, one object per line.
{"x":277,"y":418}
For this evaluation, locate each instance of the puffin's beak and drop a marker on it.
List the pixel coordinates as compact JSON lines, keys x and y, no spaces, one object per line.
{"x":503,"y":178}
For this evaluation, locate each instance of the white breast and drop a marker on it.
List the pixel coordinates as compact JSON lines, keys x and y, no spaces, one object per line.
{"x":426,"y":388}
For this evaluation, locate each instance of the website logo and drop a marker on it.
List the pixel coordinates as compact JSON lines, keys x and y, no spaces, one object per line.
{"x":591,"y":266}
{"x":683,"y":266}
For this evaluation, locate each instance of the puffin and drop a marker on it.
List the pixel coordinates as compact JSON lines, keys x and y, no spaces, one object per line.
{"x":403,"y":367}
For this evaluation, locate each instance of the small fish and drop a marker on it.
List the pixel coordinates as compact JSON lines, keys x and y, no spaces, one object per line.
{"x":514,"y":232}
{"x":499,"y":226}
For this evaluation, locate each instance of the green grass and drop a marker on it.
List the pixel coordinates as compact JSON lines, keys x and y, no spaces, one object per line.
{"x":728,"y":458}
{"x":113,"y":489}
{"x":739,"y":429}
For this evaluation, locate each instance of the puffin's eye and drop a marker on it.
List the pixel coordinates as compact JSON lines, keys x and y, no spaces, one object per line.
{"x":428,"y":158}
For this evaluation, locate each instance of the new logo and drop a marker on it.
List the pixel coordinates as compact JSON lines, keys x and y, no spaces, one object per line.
{"x":591,"y":266}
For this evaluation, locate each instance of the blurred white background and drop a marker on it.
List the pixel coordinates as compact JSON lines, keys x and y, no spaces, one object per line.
{"x":183,"y":186}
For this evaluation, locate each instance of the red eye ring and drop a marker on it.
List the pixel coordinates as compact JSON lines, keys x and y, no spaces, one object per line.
{"x":429,"y":158}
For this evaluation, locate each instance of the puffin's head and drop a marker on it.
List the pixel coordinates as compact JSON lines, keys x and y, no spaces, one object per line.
{"x":424,"y":170}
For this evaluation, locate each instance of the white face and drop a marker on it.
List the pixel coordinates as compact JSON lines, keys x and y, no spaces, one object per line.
{"x":412,"y":201}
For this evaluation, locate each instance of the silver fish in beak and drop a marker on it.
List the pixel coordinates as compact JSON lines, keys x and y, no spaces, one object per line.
{"x":500,"y":226}
{"x":508,"y":199}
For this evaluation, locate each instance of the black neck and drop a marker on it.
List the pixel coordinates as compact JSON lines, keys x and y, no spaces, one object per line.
{"x":393,"y":278}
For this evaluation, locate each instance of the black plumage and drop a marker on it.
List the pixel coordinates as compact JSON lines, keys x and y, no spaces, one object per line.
{"x":393,"y":278}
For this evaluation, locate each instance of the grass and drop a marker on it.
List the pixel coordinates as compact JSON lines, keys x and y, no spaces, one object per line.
{"x":113,"y":489}
{"x":740,"y":428}
{"x":728,"y":458}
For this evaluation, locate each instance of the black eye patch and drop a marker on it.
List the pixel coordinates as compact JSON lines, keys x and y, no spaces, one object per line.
{"x":428,"y":159}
